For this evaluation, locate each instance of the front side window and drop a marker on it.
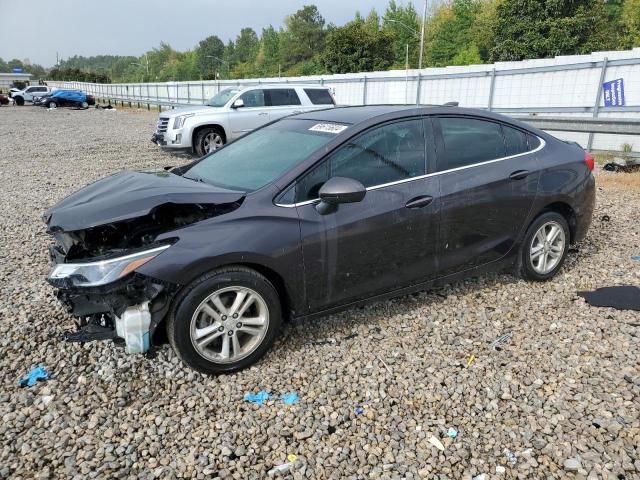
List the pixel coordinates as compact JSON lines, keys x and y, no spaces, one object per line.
{"x":382,"y":155}
{"x":260,"y":157}
{"x":468,"y":141}
{"x":253,"y":98}
{"x":222,"y":97}
{"x":283,"y":97}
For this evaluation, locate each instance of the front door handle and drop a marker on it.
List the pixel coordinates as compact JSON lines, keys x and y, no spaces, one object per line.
{"x":262,"y":114}
{"x":419,"y":202}
{"x":519,"y":174}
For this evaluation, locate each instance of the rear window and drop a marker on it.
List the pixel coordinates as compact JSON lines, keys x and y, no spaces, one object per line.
{"x":319,"y":96}
{"x":468,"y":141}
{"x":283,"y":96}
{"x":515,"y":140}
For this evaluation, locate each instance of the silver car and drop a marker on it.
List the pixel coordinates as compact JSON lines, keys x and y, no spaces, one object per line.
{"x":234,"y":112}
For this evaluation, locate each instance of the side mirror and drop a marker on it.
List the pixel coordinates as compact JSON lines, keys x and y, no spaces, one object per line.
{"x":239,"y":103}
{"x":339,"y":190}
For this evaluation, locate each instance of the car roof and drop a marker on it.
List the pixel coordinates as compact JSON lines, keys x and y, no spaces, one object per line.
{"x":354,"y":115}
{"x":281,"y":85}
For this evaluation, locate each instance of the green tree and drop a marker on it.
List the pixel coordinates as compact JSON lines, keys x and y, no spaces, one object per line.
{"x":209,"y":56}
{"x":536,"y":29}
{"x":630,"y":23}
{"x":246,"y":46}
{"x":356,"y":47}
{"x":403,"y":23}
{"x":303,"y":36}
{"x":268,"y":59}
{"x":449,"y":32}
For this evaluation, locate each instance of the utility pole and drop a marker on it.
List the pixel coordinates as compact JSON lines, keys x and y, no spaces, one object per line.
{"x":57,"y":60}
{"x":406,"y":78}
{"x":424,"y":21}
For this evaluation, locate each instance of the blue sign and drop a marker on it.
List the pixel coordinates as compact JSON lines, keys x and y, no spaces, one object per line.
{"x":16,"y":70}
{"x":614,"y":93}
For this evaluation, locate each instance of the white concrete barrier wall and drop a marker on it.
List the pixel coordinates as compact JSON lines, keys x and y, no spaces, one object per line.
{"x":566,"y":85}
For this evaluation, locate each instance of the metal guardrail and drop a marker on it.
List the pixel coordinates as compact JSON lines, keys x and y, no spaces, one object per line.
{"x":616,"y":126}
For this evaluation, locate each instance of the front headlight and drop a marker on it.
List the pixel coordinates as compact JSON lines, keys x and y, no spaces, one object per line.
{"x":94,"y":274}
{"x":179,"y":121}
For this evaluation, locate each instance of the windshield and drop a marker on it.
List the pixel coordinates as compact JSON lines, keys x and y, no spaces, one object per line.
{"x":261,"y":157}
{"x":222,"y":97}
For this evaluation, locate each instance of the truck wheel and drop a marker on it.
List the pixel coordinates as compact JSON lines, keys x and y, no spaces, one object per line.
{"x":225,"y":320}
{"x":208,"y":140}
{"x":19,"y":101}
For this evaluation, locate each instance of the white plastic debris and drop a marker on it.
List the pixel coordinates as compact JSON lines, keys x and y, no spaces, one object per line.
{"x":436,"y":443}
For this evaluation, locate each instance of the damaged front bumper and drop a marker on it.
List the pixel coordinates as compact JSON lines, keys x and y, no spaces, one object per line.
{"x":135,"y":303}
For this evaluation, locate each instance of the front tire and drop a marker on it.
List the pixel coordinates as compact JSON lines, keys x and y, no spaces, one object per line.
{"x":208,"y":140}
{"x":545,"y":247}
{"x":19,"y":101}
{"x":225,"y":320}
{"x":52,"y":105}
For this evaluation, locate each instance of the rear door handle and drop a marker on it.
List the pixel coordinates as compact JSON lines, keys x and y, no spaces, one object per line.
{"x":519,"y":174}
{"x":419,"y":202}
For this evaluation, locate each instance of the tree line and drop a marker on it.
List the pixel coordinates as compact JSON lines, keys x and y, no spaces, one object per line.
{"x":458,"y":32}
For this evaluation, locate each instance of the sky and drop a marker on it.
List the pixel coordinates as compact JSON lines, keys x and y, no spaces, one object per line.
{"x":132,"y":27}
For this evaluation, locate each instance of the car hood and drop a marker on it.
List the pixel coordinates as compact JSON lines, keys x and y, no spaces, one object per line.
{"x":196,"y":109}
{"x":127,"y":195}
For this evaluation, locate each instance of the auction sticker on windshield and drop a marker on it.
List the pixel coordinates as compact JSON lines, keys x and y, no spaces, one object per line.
{"x":328,"y":128}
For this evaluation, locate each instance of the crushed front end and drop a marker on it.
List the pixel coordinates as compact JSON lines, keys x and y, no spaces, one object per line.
{"x":106,"y":231}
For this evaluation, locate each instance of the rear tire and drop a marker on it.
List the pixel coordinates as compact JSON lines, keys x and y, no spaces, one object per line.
{"x":84,"y":105}
{"x":544,"y":248}
{"x":208,"y":140}
{"x":205,"y":319}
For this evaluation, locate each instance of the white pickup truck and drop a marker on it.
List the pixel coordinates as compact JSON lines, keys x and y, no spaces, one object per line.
{"x":234,"y":112}
{"x":29,"y":93}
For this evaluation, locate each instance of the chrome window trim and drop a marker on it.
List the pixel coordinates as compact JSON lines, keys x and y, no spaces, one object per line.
{"x":434,"y":174}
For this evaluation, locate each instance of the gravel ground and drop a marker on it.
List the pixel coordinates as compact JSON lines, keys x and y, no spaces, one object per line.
{"x":560,"y":397}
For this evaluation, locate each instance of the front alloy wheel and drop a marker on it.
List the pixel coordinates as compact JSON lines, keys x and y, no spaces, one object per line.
{"x":225,"y":320}
{"x":229,"y":324}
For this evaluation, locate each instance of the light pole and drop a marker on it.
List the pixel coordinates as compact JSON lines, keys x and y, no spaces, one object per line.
{"x":220,"y":60}
{"x":424,"y":21}
{"x":416,"y":33}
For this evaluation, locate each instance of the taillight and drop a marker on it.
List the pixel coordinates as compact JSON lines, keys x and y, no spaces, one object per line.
{"x":589,"y":161}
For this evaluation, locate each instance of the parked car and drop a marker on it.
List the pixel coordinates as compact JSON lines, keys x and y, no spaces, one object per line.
{"x":66,"y":98}
{"x":4,"y":99}
{"x":313,"y":214}
{"x":28,"y":94}
{"x":234,"y":112}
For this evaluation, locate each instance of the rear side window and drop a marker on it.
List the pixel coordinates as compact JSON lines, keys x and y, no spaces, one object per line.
{"x":515,"y":141}
{"x":283,"y":97}
{"x":385,"y":154}
{"x":468,"y":141}
{"x":319,"y":96}
{"x":534,"y":142}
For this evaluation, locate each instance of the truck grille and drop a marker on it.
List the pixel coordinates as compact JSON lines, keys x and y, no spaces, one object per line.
{"x":162,"y":125}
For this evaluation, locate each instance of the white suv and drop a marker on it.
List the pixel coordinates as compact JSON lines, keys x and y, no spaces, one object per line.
{"x":29,"y":93}
{"x":234,"y":112}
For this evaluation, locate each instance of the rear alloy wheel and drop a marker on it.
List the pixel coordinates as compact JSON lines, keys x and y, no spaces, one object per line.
{"x":84,"y":105}
{"x":52,"y":105}
{"x":225,"y":320}
{"x":208,"y":140}
{"x":545,"y":247}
